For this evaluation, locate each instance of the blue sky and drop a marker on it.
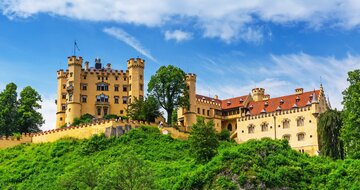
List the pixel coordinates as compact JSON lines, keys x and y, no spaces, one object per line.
{"x":231,"y":46}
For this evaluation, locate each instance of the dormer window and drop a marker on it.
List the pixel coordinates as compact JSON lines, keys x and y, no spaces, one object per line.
{"x":297,"y":98}
{"x":228,"y":102}
{"x":266,"y":103}
{"x":251,"y":106}
{"x":281,"y":101}
{"x":241,"y":100}
{"x":203,"y":98}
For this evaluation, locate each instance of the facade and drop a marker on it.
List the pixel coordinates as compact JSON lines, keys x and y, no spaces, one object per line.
{"x":97,"y":90}
{"x":256,"y":115}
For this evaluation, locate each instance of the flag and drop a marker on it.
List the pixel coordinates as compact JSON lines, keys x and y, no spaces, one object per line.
{"x":76,"y":46}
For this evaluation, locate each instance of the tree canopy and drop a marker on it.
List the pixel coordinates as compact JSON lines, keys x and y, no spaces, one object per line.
{"x":8,"y":110}
{"x":168,"y":87}
{"x":144,"y":110}
{"x":329,"y":127}
{"x":350,"y":132}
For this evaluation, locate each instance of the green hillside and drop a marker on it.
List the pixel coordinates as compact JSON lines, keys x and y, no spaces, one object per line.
{"x":145,"y":159}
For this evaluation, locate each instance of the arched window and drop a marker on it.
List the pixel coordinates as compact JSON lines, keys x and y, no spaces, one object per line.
{"x":300,"y":121}
{"x":251,"y":128}
{"x":301,"y":136}
{"x":264,"y":127}
{"x":287,"y":137}
{"x":286,"y":123}
{"x":229,"y":127}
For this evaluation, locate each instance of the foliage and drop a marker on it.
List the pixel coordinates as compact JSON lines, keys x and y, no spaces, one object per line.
{"x":86,"y":118}
{"x":224,"y":135}
{"x":203,"y":140}
{"x":328,"y":129}
{"x":111,"y":116}
{"x":168,"y":87}
{"x":144,"y":110}
{"x":350,"y":132}
{"x":156,"y":158}
{"x":174,"y":117}
{"x":8,"y":110}
{"x":29,"y":119}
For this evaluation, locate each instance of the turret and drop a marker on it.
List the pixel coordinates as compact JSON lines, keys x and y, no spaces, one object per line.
{"x":136,"y":77}
{"x":190,"y":114}
{"x":60,"y":101}
{"x":73,"y":108}
{"x":258,"y":94}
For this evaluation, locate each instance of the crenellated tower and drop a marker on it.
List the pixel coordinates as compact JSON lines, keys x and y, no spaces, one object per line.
{"x":60,"y":101}
{"x":258,"y":94}
{"x":190,"y":114}
{"x":136,"y":78}
{"x":73,"y":108}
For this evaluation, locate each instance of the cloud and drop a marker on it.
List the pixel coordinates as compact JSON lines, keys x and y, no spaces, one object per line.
{"x":129,"y":40}
{"x":48,"y":111}
{"x":226,"y":20}
{"x":177,"y":35}
{"x":280,"y":76}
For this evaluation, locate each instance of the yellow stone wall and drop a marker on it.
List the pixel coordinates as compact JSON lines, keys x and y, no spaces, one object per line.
{"x":78,"y":76}
{"x":11,"y":141}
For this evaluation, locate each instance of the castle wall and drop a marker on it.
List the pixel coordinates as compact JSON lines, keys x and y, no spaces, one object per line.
{"x":11,"y":141}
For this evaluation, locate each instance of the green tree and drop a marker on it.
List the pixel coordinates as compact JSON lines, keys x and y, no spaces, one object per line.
{"x":86,"y":118}
{"x":28,"y":117}
{"x":329,"y":127}
{"x":350,"y":133}
{"x":174,"y":117}
{"x":111,"y":116}
{"x":144,"y":110}
{"x":8,"y":110}
{"x":203,"y":140}
{"x":131,"y":173}
{"x":168,"y":86}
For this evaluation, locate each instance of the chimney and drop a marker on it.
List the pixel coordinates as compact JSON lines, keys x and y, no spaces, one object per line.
{"x":216,"y":97}
{"x":98,"y":63}
{"x":87,"y":65}
{"x":258,"y":94}
{"x":108,"y":66}
{"x":299,"y":90}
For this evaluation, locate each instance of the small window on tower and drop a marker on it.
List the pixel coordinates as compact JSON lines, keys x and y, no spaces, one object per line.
{"x":84,"y":87}
{"x":64,"y":86}
{"x":124,"y":99}
{"x":124,"y":78}
{"x":84,"y":77}
{"x":124,"y":88}
{"x":116,"y":78}
{"x":60,"y":118}
{"x":141,"y":77}
{"x":63,"y":107}
{"x":116,"y":99}
{"x":141,"y":87}
{"x":116,"y":88}
{"x":71,"y":74}
{"x":63,"y":96}
{"x":84,"y":99}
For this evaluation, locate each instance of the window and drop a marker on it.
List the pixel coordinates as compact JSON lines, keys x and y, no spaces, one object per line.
{"x":84,"y":77}
{"x":84,"y":86}
{"x":130,"y":77}
{"x":106,"y":78}
{"x":251,"y":129}
{"x":124,"y":99}
{"x":102,"y":98}
{"x":124,"y":88}
{"x":105,"y":111}
{"x":121,"y":112}
{"x":116,"y":99}
{"x":83,"y":99}
{"x":99,"y":111}
{"x":141,"y":87}
{"x":264,"y":127}
{"x":63,"y":107}
{"x":64,"y":86}
{"x":116,"y":88}
{"x":203,"y":111}
{"x":287,"y":137}
{"x":63,"y":96}
{"x":102,"y":87}
{"x":229,"y":127}
{"x":99,"y":78}
{"x":124,"y":78}
{"x":208,"y":113}
{"x":300,"y":122}
{"x":301,"y":136}
{"x":71,"y":74}
{"x":60,"y":118}
{"x":198,"y":110}
{"x":70,"y":97}
{"x":141,"y":77}
{"x":116,"y":78}
{"x":129,"y":86}
{"x":286,"y":123}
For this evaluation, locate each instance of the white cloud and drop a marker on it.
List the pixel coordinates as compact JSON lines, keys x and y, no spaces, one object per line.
{"x":281,"y":75}
{"x":129,"y":40}
{"x":177,"y":35}
{"x":48,"y":111}
{"x":227,"y":20}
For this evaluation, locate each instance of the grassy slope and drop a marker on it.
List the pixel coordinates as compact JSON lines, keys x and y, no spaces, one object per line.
{"x":255,"y":164}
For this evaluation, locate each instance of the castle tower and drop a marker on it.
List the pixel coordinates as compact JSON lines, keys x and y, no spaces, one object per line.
{"x":190,"y":114}
{"x":60,"y":101}
{"x":136,"y":78}
{"x":73,"y":108}
{"x":258,"y":94}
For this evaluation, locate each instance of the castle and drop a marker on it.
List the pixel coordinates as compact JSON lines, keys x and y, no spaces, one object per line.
{"x":257,"y":116}
{"x":97,"y":90}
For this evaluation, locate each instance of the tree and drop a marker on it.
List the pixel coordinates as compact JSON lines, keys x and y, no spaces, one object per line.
{"x":168,"y":86}
{"x":329,"y":127}
{"x":111,"y":116}
{"x":29,"y":119}
{"x":8,"y":110}
{"x":350,"y":133}
{"x":174,"y":117}
{"x":86,"y":118}
{"x":144,"y":110}
{"x":203,"y":140}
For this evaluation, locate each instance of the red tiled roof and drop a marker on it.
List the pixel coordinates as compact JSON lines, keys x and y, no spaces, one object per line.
{"x":233,"y":102}
{"x":201,"y":97}
{"x":289,"y":102}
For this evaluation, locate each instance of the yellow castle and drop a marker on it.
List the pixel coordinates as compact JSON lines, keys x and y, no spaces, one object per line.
{"x":97,"y":90}
{"x":257,"y":116}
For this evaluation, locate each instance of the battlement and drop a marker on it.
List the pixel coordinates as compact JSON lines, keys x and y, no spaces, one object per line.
{"x":11,"y":141}
{"x":138,"y":62}
{"x":191,"y":76}
{"x":258,"y":90}
{"x":61,"y":73}
{"x":73,"y":60}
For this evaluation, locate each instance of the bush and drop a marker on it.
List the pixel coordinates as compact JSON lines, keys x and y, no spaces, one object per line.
{"x":224,"y":135}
